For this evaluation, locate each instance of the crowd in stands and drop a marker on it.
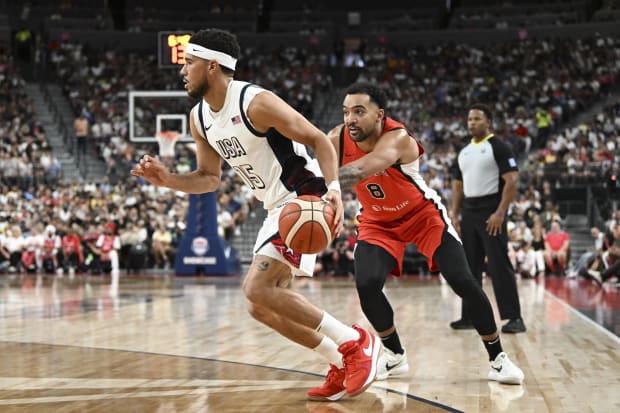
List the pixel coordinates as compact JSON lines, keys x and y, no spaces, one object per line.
{"x":429,"y":90}
{"x":502,"y":15}
{"x":89,"y":227}
{"x":431,"y":86}
{"x":26,"y":159}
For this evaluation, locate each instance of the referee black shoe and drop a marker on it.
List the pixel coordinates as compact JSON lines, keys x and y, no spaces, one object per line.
{"x":513,"y":326}
{"x":462,"y":324}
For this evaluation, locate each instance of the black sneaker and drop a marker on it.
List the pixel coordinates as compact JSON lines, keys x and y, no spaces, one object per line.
{"x":513,"y":326}
{"x":462,"y":324}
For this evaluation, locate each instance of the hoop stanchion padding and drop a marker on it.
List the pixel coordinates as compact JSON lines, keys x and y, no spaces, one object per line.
{"x":201,"y":250}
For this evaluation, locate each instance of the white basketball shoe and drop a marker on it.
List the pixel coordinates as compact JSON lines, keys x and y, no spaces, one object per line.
{"x":391,"y":364}
{"x":505,"y":371}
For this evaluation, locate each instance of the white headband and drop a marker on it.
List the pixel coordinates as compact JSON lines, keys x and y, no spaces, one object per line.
{"x":224,"y":59}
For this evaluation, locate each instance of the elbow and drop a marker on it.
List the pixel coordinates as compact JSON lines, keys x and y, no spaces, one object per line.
{"x":214,"y":183}
{"x":206,"y":183}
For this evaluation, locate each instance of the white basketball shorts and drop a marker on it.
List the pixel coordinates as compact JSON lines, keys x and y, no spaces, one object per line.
{"x":269,"y":243}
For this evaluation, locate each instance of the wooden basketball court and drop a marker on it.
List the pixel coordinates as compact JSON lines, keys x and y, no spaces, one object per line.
{"x":171,"y":344}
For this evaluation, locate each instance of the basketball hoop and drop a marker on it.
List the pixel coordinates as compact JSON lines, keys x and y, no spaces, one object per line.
{"x":166,"y":140}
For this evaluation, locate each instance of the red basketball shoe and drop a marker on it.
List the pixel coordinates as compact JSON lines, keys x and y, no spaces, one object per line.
{"x":333,"y":389}
{"x":360,"y":360}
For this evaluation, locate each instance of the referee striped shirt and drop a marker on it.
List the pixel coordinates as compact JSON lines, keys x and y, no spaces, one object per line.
{"x":480,"y":165}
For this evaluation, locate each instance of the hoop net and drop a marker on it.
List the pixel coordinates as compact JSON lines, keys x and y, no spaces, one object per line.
{"x":167,"y":140}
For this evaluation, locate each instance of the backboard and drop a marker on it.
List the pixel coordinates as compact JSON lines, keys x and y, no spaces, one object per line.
{"x":153,"y":111}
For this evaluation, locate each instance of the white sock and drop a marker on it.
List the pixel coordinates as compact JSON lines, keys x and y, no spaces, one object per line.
{"x":328,"y":349}
{"x":335,"y":330}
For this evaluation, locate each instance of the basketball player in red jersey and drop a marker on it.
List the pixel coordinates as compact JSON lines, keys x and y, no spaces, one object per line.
{"x":379,"y":159}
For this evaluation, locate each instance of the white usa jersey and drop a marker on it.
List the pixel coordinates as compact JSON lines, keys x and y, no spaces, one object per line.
{"x":273,"y":166}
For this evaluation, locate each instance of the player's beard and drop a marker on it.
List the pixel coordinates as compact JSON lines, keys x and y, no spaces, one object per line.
{"x":361,"y":136}
{"x":200,"y":91}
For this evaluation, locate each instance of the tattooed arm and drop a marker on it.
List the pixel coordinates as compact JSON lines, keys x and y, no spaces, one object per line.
{"x":393,"y":147}
{"x":349,"y":175}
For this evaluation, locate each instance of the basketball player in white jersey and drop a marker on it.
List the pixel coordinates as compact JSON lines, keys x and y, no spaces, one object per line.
{"x":263,"y":139}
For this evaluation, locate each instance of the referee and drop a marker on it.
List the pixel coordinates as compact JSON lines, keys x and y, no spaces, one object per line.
{"x":485,"y":183}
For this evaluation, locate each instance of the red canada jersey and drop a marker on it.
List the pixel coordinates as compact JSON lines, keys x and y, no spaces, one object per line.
{"x":397,"y":207}
{"x":391,"y":194}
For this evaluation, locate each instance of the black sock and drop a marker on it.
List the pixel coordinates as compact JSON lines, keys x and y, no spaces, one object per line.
{"x":494,"y":347}
{"x":393,"y":343}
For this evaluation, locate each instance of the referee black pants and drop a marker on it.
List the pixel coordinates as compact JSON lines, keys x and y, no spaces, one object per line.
{"x":477,"y":244}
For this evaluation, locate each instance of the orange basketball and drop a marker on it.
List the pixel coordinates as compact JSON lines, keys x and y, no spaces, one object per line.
{"x":306,"y":224}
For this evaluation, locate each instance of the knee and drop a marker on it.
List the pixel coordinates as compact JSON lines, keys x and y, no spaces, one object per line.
{"x":255,"y":300}
{"x":368,"y":284}
{"x":249,"y":290}
{"x":257,"y":311}
{"x":255,"y":292}
{"x":464,"y":284}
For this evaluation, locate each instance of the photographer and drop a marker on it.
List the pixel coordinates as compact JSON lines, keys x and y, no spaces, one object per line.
{"x":343,"y":257}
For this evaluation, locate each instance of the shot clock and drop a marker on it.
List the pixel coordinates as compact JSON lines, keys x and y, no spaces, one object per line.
{"x":171,"y":48}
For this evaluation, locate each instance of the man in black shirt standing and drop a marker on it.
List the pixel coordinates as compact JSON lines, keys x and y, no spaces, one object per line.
{"x":485,"y":183}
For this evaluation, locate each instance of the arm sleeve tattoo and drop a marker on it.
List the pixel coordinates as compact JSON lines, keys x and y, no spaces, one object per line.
{"x":348,"y":176}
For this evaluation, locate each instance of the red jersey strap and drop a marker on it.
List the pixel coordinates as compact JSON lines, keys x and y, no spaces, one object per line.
{"x":391,"y":124}
{"x":341,"y":149}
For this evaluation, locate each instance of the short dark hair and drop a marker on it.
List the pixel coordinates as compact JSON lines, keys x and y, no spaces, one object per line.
{"x":220,"y":40}
{"x":376,"y":94}
{"x":484,"y":109}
